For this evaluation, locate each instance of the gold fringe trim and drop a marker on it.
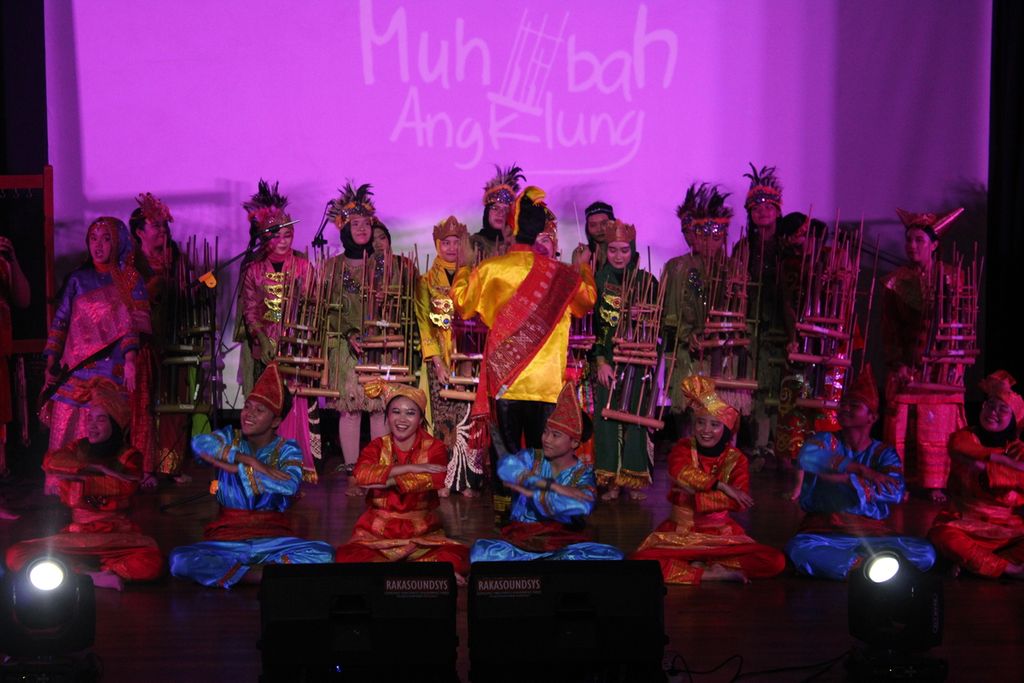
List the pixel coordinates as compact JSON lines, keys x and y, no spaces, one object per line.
{"x":633,"y":480}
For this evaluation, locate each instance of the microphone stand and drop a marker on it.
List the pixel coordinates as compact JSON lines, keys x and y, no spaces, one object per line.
{"x":319,"y":243}
{"x":209,"y":279}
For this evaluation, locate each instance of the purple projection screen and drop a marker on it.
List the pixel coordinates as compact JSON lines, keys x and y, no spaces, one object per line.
{"x":862,"y":107}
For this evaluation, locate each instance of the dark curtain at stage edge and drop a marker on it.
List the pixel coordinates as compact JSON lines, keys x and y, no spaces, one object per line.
{"x":22,"y":88}
{"x":1006,"y":191}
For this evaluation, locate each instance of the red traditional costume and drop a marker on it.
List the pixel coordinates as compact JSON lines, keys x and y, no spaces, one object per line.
{"x":701,"y":532}
{"x":100,"y":535}
{"x":266,"y":281}
{"x":400,"y":522}
{"x":158,"y":269}
{"x":917,"y":423}
{"x":980,"y":529}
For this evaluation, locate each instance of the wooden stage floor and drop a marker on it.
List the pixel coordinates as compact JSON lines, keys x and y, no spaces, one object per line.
{"x":177,"y":631}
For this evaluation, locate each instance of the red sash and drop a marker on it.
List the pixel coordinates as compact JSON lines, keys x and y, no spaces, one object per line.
{"x":522,"y":327}
{"x":241,"y":525}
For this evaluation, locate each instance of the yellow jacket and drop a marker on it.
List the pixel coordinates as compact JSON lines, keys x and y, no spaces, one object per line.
{"x":488,"y":287}
{"x":433,"y":310}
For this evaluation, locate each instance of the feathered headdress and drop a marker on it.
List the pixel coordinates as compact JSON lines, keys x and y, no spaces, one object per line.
{"x":504,"y":186}
{"x":266,"y":208}
{"x":704,"y":208}
{"x":354,"y":201}
{"x":930,"y":223}
{"x":764,"y":187}
{"x":154,"y":210}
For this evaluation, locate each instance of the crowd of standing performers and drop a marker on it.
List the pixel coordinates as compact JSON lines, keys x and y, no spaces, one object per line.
{"x":463,"y":373}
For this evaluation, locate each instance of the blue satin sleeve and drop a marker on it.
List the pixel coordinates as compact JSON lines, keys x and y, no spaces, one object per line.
{"x":564,"y":508}
{"x":289,"y":461}
{"x":822,"y":454}
{"x":517,"y":468}
{"x":215,"y":444}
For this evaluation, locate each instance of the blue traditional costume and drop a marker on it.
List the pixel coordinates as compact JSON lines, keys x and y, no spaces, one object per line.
{"x":252,"y":528}
{"x":845,"y":521}
{"x":548,"y":525}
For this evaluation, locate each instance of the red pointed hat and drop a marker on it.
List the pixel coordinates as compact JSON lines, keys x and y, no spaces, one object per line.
{"x":567,"y":416}
{"x":931,"y":223}
{"x":863,"y":389}
{"x":269,"y":390}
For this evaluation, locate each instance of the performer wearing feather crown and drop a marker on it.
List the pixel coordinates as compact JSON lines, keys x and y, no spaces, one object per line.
{"x":157,"y":258}
{"x":764,"y":209}
{"x":704,"y":219}
{"x":495,"y":236}
{"x":275,"y":270}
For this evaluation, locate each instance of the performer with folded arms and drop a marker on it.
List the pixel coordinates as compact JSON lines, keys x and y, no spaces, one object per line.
{"x":556,"y":493}
{"x":258,"y":476}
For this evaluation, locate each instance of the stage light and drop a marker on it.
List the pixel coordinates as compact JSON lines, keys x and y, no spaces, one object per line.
{"x":46,"y":610}
{"x":896,"y":610}
{"x":46,"y":575}
{"x":882,"y":567}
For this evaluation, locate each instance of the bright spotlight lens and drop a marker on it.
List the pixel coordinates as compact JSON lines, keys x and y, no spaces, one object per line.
{"x":883,"y":568}
{"x":46,"y":575}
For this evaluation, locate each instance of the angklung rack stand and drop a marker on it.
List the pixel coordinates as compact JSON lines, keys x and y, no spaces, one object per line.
{"x":952,"y":322}
{"x":389,"y":320}
{"x":638,"y":354}
{"x":188,"y":381}
{"x":301,"y":348}
{"x":825,"y":315}
{"x":722,"y":345}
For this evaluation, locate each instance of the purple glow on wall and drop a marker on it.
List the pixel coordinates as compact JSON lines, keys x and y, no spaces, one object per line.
{"x":862,"y":106}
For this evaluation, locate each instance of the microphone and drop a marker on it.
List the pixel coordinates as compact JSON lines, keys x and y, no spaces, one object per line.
{"x":272,"y":230}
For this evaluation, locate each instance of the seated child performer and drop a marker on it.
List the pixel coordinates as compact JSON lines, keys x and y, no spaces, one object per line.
{"x":96,"y":477}
{"x":258,"y":476}
{"x":556,"y":494}
{"x":982,"y":529}
{"x":710,"y":479}
{"x":850,"y":482}
{"x":402,"y":472}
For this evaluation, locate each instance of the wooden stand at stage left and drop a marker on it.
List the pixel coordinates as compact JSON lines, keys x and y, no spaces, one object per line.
{"x":188,"y":381}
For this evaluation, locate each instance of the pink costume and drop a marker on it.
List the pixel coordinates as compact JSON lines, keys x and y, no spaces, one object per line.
{"x":102,"y":311}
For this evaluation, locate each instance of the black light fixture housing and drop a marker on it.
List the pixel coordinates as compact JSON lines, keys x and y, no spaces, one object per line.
{"x":46,"y":610}
{"x":897,"y":611}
